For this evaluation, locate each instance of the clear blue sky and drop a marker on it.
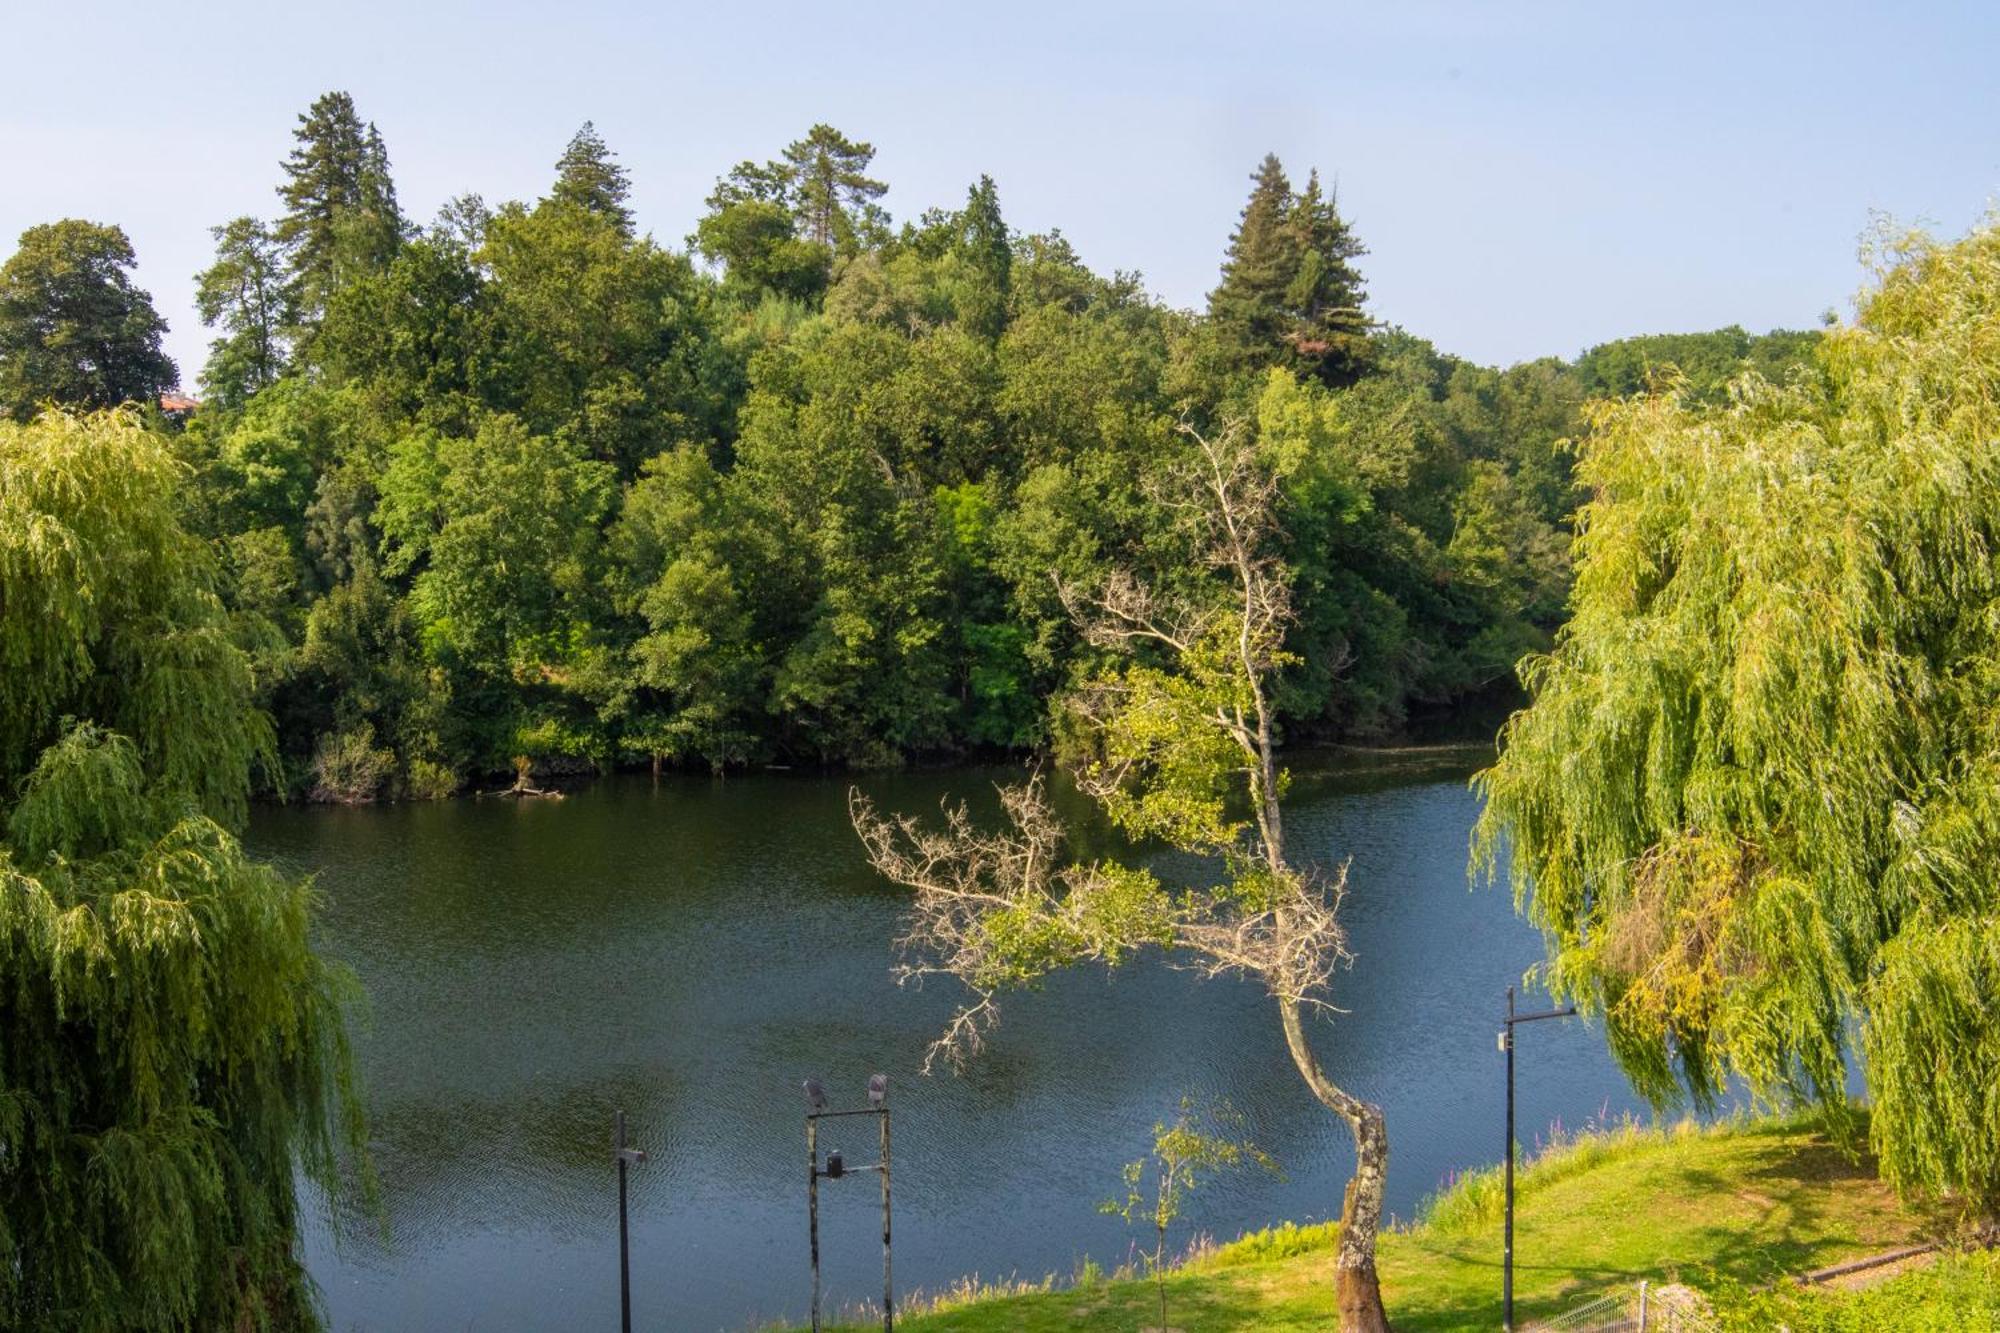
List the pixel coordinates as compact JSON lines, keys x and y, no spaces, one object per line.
{"x":1530,"y":178}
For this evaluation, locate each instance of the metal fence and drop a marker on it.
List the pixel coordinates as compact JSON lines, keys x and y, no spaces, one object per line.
{"x":1627,"y":1310}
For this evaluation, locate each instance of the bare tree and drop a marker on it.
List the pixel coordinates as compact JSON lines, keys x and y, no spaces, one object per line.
{"x":1184,"y":728}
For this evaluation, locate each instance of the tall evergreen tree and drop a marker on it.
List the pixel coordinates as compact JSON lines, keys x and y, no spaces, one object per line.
{"x":1328,"y":336}
{"x":341,"y":217}
{"x":983,"y":241}
{"x":588,"y":176}
{"x":243,"y":291}
{"x":73,"y":328}
{"x":830,"y":192}
{"x":1247,"y":307}
{"x":1290,"y":294}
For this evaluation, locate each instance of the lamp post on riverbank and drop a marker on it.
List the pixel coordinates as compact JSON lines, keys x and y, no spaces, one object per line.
{"x":835,"y":1168}
{"x":1507,"y":1251}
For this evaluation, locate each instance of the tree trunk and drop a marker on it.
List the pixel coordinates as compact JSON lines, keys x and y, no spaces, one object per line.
{"x":1357,"y":1290}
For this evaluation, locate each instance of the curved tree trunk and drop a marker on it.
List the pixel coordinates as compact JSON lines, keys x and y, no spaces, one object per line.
{"x":1356,"y":1288}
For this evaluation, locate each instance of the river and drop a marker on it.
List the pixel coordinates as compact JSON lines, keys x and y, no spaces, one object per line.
{"x":689,"y":950}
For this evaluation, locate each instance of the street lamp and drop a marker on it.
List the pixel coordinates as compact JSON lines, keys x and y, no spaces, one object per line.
{"x":1507,"y":1045}
{"x":835,"y":1168}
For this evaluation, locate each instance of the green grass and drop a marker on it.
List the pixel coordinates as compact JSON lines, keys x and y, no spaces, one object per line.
{"x":1957,"y":1294}
{"x":1735,"y":1205}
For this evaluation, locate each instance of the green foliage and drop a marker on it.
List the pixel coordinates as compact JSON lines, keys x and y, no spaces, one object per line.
{"x":74,"y":331}
{"x":856,"y":468}
{"x":1956,"y":1293}
{"x":341,"y":220}
{"x":1194,"y":1148}
{"x":588,"y":177}
{"x":171,"y":1050}
{"x":1751,"y":805}
{"x":244,"y":292}
{"x":1290,"y":294}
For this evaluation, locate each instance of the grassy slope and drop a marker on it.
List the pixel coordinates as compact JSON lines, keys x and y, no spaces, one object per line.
{"x":1741,"y":1204}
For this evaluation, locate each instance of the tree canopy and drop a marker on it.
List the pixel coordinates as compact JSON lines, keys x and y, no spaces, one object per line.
{"x":170,"y":1047}
{"x":73,"y":328}
{"x":1752,"y":802}
{"x":802,"y":500}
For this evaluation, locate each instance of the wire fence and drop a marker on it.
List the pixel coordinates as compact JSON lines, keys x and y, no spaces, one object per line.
{"x":1636,"y":1309}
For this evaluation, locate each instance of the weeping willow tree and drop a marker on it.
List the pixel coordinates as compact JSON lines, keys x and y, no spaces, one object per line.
{"x":1754,"y":803}
{"x":1179,"y":742}
{"x":171,"y":1050}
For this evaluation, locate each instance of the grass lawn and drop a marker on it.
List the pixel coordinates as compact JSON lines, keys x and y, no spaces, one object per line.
{"x":1739,"y":1204}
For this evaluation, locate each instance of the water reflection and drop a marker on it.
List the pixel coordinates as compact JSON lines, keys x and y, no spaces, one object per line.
{"x":689,"y":951}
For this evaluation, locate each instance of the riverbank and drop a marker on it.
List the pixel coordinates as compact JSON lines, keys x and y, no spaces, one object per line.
{"x":1725,"y":1208}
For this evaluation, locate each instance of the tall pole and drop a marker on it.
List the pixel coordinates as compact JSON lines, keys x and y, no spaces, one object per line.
{"x":888,"y":1286}
{"x":1507,"y":1249}
{"x":812,"y":1207}
{"x":624,"y":1155}
{"x":1507,"y":1026}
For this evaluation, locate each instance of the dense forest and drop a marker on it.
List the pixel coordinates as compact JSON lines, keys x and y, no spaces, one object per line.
{"x":524,"y":488}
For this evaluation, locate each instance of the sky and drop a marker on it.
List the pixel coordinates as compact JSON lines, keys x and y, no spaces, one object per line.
{"x":1530,"y":179}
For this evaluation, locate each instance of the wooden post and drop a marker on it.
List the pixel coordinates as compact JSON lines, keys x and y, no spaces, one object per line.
{"x":812,"y":1207}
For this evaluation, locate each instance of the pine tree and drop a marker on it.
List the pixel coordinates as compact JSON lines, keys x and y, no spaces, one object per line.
{"x":588,"y":177}
{"x":341,"y":217}
{"x":830,"y":192}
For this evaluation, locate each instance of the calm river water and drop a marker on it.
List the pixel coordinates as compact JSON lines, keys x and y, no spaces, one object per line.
{"x":689,"y":951}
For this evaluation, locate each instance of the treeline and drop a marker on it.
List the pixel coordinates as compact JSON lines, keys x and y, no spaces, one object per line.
{"x":523,"y":487}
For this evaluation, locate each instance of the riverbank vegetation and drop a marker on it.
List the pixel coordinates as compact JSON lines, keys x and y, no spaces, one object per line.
{"x":172,"y":1053}
{"x":522,"y":483}
{"x":1753,"y":802}
{"x":1728,"y":1209}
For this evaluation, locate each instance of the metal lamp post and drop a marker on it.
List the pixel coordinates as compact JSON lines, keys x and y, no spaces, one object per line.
{"x":1507,"y":1253}
{"x":624,"y":1156}
{"x":835,"y":1168}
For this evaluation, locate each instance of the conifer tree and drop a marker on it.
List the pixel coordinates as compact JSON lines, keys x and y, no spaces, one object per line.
{"x":1328,"y":336}
{"x":1248,"y":306}
{"x":830,"y":191}
{"x":171,"y":1050}
{"x":983,"y":242}
{"x":588,"y":176}
{"x":1290,"y":294}
{"x":341,"y":217}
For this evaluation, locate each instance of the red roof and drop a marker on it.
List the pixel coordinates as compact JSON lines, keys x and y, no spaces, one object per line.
{"x":177,"y":402}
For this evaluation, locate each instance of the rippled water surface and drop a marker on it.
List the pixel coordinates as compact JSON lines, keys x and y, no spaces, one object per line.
{"x":689,"y":951}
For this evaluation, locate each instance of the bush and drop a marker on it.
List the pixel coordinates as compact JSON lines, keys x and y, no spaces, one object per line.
{"x":349,"y":768}
{"x":429,"y":780}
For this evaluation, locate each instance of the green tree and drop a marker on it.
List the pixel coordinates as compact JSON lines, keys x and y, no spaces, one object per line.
{"x":830,"y":191}
{"x":1752,"y":804}
{"x":1290,"y":294}
{"x":1195,"y":1148}
{"x":244,"y":292}
{"x":171,"y":1050}
{"x":601,"y":339}
{"x":502,"y":534}
{"x":588,"y":176}
{"x":1176,"y":736}
{"x":73,"y":328}
{"x":341,"y":218}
